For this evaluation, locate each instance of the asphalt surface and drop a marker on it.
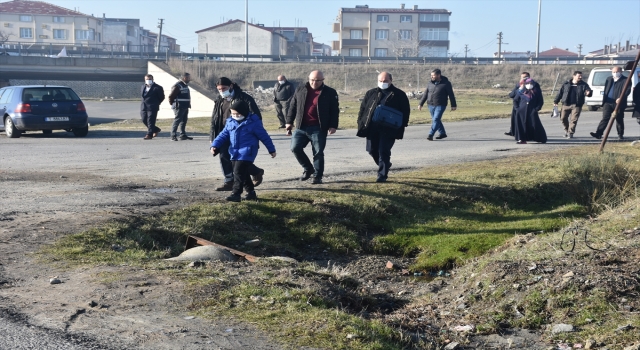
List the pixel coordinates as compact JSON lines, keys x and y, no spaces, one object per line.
{"x":123,"y":155}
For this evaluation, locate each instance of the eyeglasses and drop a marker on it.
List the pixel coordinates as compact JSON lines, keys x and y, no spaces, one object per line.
{"x":314,"y":80}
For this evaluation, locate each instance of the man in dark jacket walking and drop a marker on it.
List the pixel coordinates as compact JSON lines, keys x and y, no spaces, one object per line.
{"x":380,"y":138}
{"x":229,"y":94}
{"x":315,"y":111}
{"x":152,"y":96}
{"x":282,"y":93}
{"x":180,"y":100}
{"x":572,"y":94}
{"x":438,"y":91}
{"x":613,"y":95}
{"x":512,"y":95}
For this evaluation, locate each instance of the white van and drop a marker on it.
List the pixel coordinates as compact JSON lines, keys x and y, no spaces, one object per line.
{"x":596,"y":81}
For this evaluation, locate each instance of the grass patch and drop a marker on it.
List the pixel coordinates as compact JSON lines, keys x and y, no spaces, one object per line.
{"x":442,"y":215}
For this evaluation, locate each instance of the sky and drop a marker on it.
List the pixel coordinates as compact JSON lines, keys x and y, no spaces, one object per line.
{"x":476,"y":23}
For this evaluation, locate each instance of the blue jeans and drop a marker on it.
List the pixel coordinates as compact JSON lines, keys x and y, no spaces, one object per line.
{"x":436,"y":119}
{"x":318,"y":138}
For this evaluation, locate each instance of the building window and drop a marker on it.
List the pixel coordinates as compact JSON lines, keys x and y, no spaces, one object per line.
{"x":383,"y":18}
{"x":426,"y":51}
{"x":438,"y":17}
{"x":84,"y":34}
{"x":356,"y":34}
{"x":433,"y":34}
{"x":404,"y":34}
{"x":355,"y":52}
{"x":59,"y":34}
{"x":380,"y":53}
{"x":289,"y":34}
{"x":58,"y":19}
{"x":25,"y":18}
{"x":26,"y":33}
{"x":382,"y":34}
{"x":405,"y":19}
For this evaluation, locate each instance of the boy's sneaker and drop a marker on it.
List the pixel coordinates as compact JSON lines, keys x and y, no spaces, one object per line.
{"x":234,"y":198}
{"x":251,"y":196}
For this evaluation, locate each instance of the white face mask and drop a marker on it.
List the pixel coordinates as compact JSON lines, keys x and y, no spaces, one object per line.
{"x":225,"y":94}
{"x":529,"y":86}
{"x":148,"y":82}
{"x":238,"y":118}
{"x":616,"y":75}
{"x":383,"y":86}
{"x":281,"y":82}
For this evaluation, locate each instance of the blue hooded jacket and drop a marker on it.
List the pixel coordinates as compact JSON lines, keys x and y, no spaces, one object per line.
{"x":243,"y":138}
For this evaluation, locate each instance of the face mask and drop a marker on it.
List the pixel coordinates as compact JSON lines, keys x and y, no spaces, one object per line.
{"x":383,"y":86}
{"x":281,"y":82}
{"x":238,"y":118}
{"x":148,"y":82}
{"x":616,"y":75}
{"x":225,"y":94}
{"x":529,"y":86}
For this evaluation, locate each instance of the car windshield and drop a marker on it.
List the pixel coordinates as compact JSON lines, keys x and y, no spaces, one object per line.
{"x":49,"y":94}
{"x":600,"y":77}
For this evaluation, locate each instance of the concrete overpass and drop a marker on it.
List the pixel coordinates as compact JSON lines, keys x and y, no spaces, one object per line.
{"x":72,"y":68}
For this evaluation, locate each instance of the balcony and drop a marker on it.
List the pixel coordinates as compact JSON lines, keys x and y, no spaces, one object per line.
{"x":355,"y":42}
{"x":435,"y":25}
{"x":335,"y":45}
{"x":336,"y":28}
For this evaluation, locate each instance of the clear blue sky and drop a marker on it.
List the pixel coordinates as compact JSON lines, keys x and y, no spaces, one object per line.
{"x":564,"y":23}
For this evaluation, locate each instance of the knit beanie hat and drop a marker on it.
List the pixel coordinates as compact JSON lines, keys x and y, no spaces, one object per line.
{"x":224,"y":81}
{"x":241,"y":107}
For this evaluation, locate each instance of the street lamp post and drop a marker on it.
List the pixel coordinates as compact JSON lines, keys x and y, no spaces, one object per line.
{"x":246,"y":29}
{"x":538,"y":36}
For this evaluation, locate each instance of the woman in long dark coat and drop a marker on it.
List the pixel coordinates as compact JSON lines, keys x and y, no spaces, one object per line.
{"x":529,"y":102}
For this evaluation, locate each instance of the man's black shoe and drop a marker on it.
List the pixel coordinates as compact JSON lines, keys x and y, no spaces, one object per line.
{"x":441,"y":136}
{"x":257,"y":179}
{"x":317,"y":181}
{"x":251,"y":196}
{"x":185,"y":137}
{"x":305,"y":175}
{"x":234,"y":198}
{"x":508,"y":133}
{"x":620,"y":137}
{"x":228,"y":186}
{"x":155,"y":134}
{"x":381,"y":179}
{"x":173,"y":138}
{"x":593,"y":134}
{"x":430,"y":137}
{"x":281,"y":127}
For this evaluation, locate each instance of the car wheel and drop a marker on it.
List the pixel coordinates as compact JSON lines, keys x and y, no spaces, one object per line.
{"x":47,"y":132}
{"x":592,"y":108}
{"x":81,"y":132}
{"x":10,"y":128}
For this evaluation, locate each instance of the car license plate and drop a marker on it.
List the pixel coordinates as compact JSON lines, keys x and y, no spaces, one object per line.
{"x":56,"y":119}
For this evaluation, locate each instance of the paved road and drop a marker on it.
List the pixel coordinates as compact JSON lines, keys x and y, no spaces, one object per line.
{"x":57,"y":177}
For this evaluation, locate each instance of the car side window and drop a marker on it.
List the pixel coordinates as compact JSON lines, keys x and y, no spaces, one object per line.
{"x":5,"y":95}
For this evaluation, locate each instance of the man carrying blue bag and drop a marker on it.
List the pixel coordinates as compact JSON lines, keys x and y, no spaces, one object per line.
{"x":384,"y":113}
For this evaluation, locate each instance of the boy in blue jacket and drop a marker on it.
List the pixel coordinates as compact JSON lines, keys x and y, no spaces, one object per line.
{"x":242,"y":130}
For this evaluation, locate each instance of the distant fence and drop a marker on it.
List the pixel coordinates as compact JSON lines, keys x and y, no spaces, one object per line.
{"x":84,"y":50}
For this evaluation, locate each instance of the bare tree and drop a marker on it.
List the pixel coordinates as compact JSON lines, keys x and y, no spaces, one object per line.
{"x":404,"y":44}
{"x":4,"y":37}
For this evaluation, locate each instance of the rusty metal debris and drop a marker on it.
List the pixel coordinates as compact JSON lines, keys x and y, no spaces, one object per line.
{"x":194,"y":241}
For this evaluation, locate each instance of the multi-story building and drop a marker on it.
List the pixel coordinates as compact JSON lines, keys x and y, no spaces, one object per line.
{"x":39,"y":22}
{"x":392,"y":32}
{"x":166,"y":43}
{"x":299,"y":40}
{"x":228,"y":38}
{"x":126,"y":33}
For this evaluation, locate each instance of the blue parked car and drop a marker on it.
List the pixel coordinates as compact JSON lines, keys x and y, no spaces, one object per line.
{"x":42,"y":107}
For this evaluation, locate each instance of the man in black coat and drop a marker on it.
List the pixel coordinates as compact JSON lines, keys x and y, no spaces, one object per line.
{"x":636,"y":100}
{"x":315,"y":110}
{"x":380,"y":138}
{"x":572,"y":94}
{"x":613,"y":95}
{"x":180,"y":100}
{"x":282,"y":93}
{"x":152,"y":96}
{"x":438,"y":91}
{"x":512,"y":95}
{"x":229,"y":94}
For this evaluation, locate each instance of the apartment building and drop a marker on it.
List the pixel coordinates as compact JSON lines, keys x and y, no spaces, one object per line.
{"x":39,"y":22}
{"x":392,"y":32}
{"x":228,"y":38}
{"x":299,"y":40}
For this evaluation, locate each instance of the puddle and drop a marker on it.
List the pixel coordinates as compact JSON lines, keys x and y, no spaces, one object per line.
{"x":160,"y":190}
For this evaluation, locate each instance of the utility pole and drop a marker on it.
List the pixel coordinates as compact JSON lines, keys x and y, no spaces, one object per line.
{"x":499,"y":45}
{"x":466,"y":49}
{"x":246,"y":29}
{"x":538,"y":36}
{"x":579,"y":50}
{"x":159,"y":34}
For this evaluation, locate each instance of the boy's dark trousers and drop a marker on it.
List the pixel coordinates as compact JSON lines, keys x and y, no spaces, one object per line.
{"x":241,"y":176}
